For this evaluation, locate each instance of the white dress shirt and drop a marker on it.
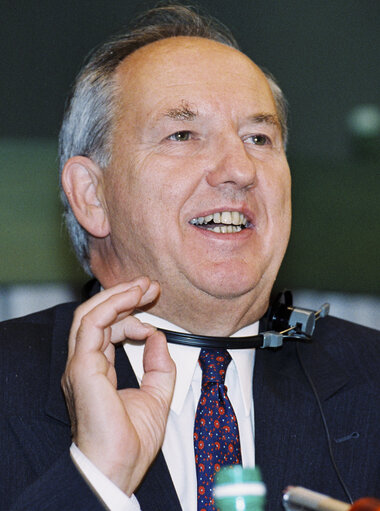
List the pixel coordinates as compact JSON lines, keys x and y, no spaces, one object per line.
{"x":178,"y":447}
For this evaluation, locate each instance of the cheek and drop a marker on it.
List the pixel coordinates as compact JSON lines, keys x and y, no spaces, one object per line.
{"x":284,"y":212}
{"x":284,"y":196}
{"x":275,"y":186}
{"x":142,"y":215}
{"x":276,"y":200}
{"x":279,"y":186}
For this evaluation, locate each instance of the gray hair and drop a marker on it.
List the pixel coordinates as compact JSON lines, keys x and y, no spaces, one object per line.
{"x":91,"y":109}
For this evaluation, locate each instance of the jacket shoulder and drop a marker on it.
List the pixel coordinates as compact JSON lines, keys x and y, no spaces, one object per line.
{"x":24,"y":329}
{"x":331,"y":323}
{"x":357,"y":346}
{"x":336,"y":331}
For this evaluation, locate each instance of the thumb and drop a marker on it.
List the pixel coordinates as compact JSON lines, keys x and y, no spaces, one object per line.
{"x":159,"y":369}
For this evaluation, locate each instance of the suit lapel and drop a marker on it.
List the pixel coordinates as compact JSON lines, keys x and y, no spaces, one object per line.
{"x":156,"y":492}
{"x":288,"y":424}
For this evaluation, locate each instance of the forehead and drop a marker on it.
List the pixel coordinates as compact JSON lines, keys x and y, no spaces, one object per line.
{"x":187,"y":69}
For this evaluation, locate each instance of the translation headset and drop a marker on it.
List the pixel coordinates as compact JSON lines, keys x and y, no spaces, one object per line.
{"x":282,"y":322}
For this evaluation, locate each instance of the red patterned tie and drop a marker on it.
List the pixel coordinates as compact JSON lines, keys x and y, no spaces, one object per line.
{"x":216,"y":434}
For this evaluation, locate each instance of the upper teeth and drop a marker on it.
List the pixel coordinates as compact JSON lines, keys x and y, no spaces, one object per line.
{"x":229,"y":218}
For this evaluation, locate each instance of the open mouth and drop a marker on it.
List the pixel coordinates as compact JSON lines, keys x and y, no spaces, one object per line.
{"x":222,"y":222}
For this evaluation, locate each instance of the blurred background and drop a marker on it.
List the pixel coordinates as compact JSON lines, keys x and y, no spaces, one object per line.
{"x":326,"y":58}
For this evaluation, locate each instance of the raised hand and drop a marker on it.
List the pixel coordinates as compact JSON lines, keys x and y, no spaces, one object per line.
{"x":120,"y":431}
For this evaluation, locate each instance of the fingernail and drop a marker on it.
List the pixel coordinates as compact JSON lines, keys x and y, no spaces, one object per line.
{"x":133,"y":288}
{"x":148,"y":325}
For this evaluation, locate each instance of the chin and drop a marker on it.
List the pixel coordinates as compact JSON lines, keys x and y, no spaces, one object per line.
{"x":228,"y":285}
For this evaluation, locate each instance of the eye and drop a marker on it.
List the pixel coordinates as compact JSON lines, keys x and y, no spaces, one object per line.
{"x":259,"y":139}
{"x":180,"y":136}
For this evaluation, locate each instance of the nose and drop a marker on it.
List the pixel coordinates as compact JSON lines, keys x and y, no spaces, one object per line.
{"x":232,"y":165}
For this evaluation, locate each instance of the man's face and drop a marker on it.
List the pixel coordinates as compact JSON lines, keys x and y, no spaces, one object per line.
{"x":198,"y":190}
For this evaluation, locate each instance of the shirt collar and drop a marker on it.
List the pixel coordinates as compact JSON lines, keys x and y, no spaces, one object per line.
{"x":186,"y":359}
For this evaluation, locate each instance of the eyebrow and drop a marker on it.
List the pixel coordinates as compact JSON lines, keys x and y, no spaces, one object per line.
{"x":185,"y":113}
{"x":266,"y":119}
{"x":181,"y":113}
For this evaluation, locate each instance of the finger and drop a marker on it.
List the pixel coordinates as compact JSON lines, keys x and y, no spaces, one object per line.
{"x":147,"y":297}
{"x":159,"y":369}
{"x":107,"y":307}
{"x":130,"y":328}
{"x":143,"y":282}
{"x":94,"y":332}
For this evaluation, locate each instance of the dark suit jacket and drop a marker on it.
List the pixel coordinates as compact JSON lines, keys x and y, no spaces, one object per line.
{"x":343,"y":360}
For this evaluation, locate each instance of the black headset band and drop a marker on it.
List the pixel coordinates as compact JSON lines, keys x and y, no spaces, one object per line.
{"x":210,"y":342}
{"x":282,"y":322}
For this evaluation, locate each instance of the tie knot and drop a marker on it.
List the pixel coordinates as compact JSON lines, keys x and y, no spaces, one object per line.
{"x":214,"y":365}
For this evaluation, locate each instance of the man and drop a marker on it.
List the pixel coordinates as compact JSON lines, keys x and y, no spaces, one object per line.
{"x":177,"y":195}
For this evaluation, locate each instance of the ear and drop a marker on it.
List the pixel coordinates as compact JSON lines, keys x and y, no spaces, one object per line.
{"x":83,"y":185}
